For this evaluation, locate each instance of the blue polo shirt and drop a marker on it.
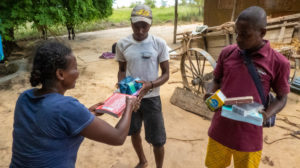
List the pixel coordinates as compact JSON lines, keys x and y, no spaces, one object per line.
{"x":46,"y":130}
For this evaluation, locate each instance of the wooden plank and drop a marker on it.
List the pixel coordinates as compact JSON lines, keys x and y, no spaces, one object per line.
{"x":215,"y":52}
{"x":283,"y":18}
{"x":216,"y":41}
{"x":281,"y":25}
{"x":272,"y":35}
{"x":288,"y":35}
{"x":281,"y":34}
{"x":227,"y":40}
{"x":234,"y":36}
{"x":190,"y":102}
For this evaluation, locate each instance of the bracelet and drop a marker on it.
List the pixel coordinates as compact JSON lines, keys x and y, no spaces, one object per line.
{"x":151,"y":84}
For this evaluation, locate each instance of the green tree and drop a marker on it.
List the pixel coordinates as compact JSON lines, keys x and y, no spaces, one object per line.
{"x":78,"y":11}
{"x":46,"y":13}
{"x":150,"y":3}
{"x":9,"y":20}
{"x":104,"y":8}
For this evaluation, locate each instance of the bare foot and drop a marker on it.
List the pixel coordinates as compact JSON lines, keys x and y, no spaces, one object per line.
{"x":141,"y":165}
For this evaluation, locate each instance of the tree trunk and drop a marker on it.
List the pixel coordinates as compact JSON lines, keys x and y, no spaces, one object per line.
{"x":9,"y":45}
{"x":175,"y":21}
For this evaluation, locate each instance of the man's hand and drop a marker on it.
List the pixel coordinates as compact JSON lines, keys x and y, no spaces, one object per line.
{"x":144,"y":90}
{"x":92,"y":109}
{"x":117,"y":85}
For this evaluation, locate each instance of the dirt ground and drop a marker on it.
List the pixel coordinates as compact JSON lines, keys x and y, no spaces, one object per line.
{"x":186,"y":132}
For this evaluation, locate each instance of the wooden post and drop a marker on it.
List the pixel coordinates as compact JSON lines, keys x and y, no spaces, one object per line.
{"x":233,"y":10}
{"x":281,"y":34}
{"x":175,"y":21}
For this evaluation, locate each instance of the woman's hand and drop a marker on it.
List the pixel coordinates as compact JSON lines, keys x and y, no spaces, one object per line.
{"x":137,"y":106}
{"x":92,"y":109}
{"x":131,"y":103}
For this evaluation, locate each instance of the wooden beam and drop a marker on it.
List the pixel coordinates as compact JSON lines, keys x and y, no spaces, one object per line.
{"x":175,"y":22}
{"x":282,"y":30}
{"x":285,"y":24}
{"x":284,"y":18}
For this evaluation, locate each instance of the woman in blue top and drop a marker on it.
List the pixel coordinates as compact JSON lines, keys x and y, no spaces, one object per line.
{"x":48,"y":126}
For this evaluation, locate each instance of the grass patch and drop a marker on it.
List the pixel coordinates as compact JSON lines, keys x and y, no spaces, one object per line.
{"x":119,"y":18}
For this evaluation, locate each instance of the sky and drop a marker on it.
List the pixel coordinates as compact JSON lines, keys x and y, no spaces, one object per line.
{"x":126,"y":3}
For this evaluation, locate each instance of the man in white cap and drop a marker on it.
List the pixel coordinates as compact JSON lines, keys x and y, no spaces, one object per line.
{"x":140,"y":55}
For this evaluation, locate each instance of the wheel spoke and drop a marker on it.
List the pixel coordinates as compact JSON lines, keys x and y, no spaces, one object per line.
{"x":195,"y":72}
{"x":190,"y":70}
{"x":199,"y":88}
{"x":192,"y":65}
{"x":197,"y":60}
{"x":202,"y":73}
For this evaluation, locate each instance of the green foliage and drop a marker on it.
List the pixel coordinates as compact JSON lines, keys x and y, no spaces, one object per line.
{"x":120,"y":17}
{"x":7,"y":21}
{"x":133,"y":4}
{"x":104,"y":8}
{"x":45,"y":14}
{"x":183,"y":2}
{"x":150,"y":3}
{"x":78,"y":11}
{"x":185,"y":14}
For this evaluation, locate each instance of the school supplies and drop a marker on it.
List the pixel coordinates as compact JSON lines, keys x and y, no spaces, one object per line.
{"x":114,"y":105}
{"x":238,"y":100}
{"x":129,"y":85}
{"x":244,"y":113}
{"x":216,"y":100}
{"x":246,"y":109}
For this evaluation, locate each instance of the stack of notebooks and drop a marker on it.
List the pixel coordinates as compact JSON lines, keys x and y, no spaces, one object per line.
{"x":243,"y":109}
{"x":115,"y":105}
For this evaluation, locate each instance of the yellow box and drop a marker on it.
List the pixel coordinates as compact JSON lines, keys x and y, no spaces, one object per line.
{"x":216,"y":100}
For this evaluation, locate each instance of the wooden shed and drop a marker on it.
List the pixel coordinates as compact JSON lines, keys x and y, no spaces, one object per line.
{"x":217,"y":12}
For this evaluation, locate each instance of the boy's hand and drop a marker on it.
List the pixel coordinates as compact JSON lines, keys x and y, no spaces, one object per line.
{"x":264,"y":114}
{"x":145,"y":89}
{"x":92,"y":109}
{"x":207,"y":95}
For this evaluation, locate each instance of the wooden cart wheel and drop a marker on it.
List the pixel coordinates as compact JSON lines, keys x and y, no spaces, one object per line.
{"x":196,"y":69}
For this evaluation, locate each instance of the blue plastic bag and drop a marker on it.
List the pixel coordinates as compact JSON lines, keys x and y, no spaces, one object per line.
{"x":1,"y":50}
{"x":129,"y":85}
